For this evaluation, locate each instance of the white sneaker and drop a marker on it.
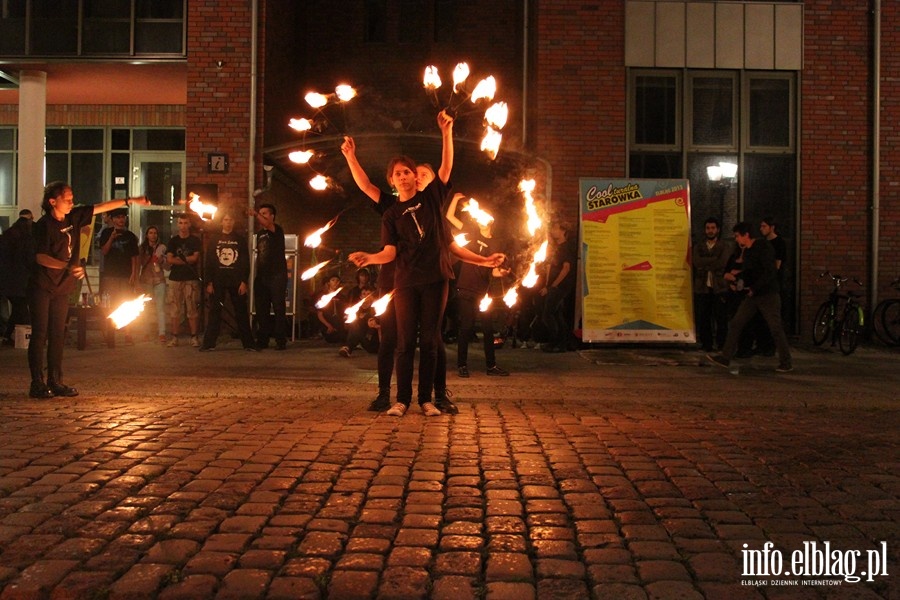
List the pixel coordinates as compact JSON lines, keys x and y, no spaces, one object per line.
{"x":430,"y":410}
{"x":195,"y":341}
{"x":173,"y":342}
{"x":397,"y":410}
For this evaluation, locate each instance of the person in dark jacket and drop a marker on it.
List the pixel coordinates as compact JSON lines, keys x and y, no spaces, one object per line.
{"x":16,"y":258}
{"x":759,"y":278}
{"x":227,"y":274}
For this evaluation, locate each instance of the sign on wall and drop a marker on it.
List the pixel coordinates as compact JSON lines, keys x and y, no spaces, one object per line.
{"x":636,"y":271}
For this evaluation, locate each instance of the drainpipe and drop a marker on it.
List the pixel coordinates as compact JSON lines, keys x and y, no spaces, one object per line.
{"x":525,"y":74}
{"x":876,"y":155}
{"x":251,"y":168}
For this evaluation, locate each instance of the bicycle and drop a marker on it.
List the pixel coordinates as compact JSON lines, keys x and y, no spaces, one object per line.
{"x":844,"y":326}
{"x":886,"y":318}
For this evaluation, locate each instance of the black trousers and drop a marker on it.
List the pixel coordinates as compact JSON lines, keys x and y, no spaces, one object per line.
{"x":270,"y":295}
{"x":387,"y":353}
{"x":241,"y":316}
{"x":48,"y":328}
{"x":711,"y":316}
{"x":467,"y":311}
{"x":420,"y":310}
{"x":18,"y":315}
{"x":555,"y":317}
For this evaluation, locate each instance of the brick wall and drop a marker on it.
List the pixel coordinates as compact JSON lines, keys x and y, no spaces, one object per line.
{"x":92,"y":115}
{"x":578,"y":118}
{"x":836,"y":143}
{"x":217,"y":115}
{"x":890,"y":146}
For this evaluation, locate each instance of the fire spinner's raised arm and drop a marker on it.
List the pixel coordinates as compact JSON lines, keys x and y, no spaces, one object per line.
{"x":348,"y":149}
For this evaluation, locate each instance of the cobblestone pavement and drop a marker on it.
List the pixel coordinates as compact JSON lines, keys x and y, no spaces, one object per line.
{"x":604,"y":474}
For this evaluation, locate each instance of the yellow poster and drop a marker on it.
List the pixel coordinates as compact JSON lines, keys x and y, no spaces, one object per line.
{"x":636,"y":271}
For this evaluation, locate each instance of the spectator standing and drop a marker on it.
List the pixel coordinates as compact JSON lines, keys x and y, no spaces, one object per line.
{"x":183,"y":256}
{"x":16,"y":259}
{"x":559,"y":289}
{"x":270,"y":281}
{"x":119,"y":273}
{"x":152,"y":258}
{"x":709,"y":257}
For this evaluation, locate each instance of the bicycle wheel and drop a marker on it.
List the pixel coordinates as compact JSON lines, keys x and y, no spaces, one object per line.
{"x":851,"y":329}
{"x":890,"y":321}
{"x":878,"y":322}
{"x":823,"y":323}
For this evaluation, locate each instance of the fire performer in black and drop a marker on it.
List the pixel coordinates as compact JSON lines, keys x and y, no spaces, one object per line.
{"x":416,"y":234}
{"x":270,"y":284}
{"x":57,"y":266}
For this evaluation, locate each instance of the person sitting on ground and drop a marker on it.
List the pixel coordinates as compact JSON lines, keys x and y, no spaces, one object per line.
{"x":364,"y":329}
{"x":331,"y":315}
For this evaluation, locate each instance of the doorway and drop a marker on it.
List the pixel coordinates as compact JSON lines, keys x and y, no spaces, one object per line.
{"x":160,"y":177}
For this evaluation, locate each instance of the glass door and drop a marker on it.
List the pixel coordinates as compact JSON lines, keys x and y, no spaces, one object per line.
{"x":160,"y":177}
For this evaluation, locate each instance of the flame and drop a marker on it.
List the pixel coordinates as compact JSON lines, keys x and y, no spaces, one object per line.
{"x":301,"y":124}
{"x":480,"y":216}
{"x":485,"y":89}
{"x":496,"y":115}
{"x":324,"y":300}
{"x":319,"y":182}
{"x":531,"y":278}
{"x":534,"y":221}
{"x":485,"y":303}
{"x":311,"y":272}
{"x":128,"y":311}
{"x":200,"y":208}
{"x":316,"y":100}
{"x":351,"y":312}
{"x":460,"y":239}
{"x":301,"y":157}
{"x":431,"y":80}
{"x":540,"y":256}
{"x":314,"y":239}
{"x":460,"y":74}
{"x":381,"y":304}
{"x":344,"y":92}
{"x":511,"y":297}
{"x":490,"y":143}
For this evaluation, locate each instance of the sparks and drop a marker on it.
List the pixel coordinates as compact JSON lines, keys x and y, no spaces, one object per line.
{"x":490,"y":143}
{"x":496,"y":115}
{"x":485,"y":303}
{"x":128,"y":311}
{"x":200,"y":208}
{"x":319,"y":182}
{"x":381,"y":304}
{"x":316,"y":100}
{"x":344,"y":92}
{"x":480,"y":216}
{"x":301,"y":124}
{"x":485,"y":89}
{"x":301,"y":157}
{"x":324,"y":300}
{"x":312,"y":271}
{"x":460,"y":74}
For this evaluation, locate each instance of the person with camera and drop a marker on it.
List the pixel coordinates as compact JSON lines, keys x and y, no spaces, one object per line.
{"x":119,"y":271}
{"x":759,"y":280}
{"x":183,"y":293}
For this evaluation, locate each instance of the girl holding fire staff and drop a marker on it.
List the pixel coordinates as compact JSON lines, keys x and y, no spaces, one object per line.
{"x":58,"y":265}
{"x":417,"y":237}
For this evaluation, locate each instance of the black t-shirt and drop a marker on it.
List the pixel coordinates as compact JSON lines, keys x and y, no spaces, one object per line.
{"x":60,"y":240}
{"x":386,"y":274}
{"x":421,"y":234}
{"x":270,"y":252}
{"x":188,"y":246}
{"x":780,"y":248}
{"x":567,"y":252}
{"x":117,"y":262}
{"x":227,"y":259}
{"x":472,"y":278}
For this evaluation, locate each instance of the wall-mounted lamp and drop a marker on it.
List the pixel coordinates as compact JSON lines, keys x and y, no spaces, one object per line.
{"x":723,"y":170}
